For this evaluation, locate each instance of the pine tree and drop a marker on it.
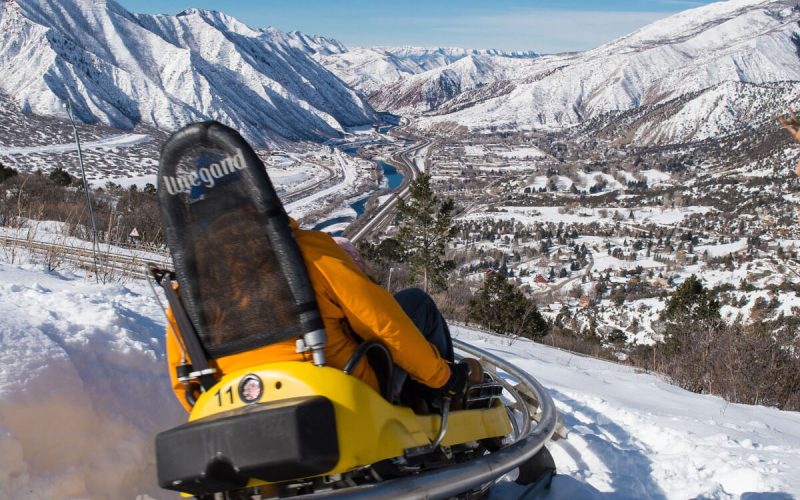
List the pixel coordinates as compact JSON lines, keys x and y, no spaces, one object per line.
{"x":691,"y":302}
{"x":426,"y":227}
{"x":60,"y":177}
{"x":691,"y":314}
{"x":6,"y":172}
{"x":502,"y":308}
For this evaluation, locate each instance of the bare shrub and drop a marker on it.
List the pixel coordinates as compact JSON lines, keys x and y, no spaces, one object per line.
{"x":10,"y":251}
{"x":455,"y":301}
{"x":757,"y":363}
{"x":117,"y":212}
{"x":579,"y":343}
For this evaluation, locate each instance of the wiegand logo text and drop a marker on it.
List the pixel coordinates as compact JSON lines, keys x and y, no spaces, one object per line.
{"x":205,"y":176}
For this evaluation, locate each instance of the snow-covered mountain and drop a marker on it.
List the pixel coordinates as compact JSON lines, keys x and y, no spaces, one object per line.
{"x":714,"y":64}
{"x":123,"y":69}
{"x":371,"y":70}
{"x":436,"y":87}
{"x":727,"y":108}
{"x":312,"y":44}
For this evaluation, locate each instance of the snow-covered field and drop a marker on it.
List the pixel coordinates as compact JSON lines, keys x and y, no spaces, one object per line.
{"x":56,"y":232}
{"x":641,"y":215}
{"x":633,"y":435}
{"x":521,"y":153}
{"x":106,"y":143}
{"x":84,"y":388}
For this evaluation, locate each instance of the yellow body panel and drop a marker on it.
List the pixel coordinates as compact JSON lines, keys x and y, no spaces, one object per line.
{"x":369,"y":428}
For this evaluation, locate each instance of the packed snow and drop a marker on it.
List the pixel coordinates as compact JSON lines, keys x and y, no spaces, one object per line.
{"x":84,"y":388}
{"x":633,"y":435}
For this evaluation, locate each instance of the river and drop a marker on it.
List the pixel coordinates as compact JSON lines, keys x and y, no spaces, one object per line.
{"x":393,"y":178}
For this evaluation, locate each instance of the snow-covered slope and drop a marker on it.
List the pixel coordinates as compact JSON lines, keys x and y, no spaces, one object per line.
{"x":84,"y":388}
{"x":708,"y":56}
{"x":313,"y":44}
{"x":717,"y":111}
{"x":633,"y":435}
{"x":123,"y":69}
{"x":370,"y":70}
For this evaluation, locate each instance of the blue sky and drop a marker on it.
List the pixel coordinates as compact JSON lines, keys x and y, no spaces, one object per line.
{"x":538,"y":25}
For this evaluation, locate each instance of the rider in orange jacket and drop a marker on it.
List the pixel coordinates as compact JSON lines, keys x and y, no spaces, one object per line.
{"x":350,"y":303}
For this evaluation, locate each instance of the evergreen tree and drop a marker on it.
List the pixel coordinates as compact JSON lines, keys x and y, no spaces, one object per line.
{"x":60,"y":177}
{"x":502,"y":308}
{"x":691,"y":313}
{"x":6,"y":172}
{"x":691,"y":302}
{"x":426,"y":227}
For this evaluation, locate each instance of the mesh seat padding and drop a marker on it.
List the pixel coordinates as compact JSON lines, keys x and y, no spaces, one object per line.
{"x":242,"y":278}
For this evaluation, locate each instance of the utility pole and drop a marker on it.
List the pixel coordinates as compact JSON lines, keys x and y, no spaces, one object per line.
{"x":68,"y":105}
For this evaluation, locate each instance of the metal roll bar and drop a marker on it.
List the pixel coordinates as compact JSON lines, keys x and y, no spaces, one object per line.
{"x":455,"y":479}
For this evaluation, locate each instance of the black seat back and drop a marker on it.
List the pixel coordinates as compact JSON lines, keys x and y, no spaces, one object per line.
{"x":242,"y":278}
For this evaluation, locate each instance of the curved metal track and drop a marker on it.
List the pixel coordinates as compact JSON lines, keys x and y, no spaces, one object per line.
{"x":460,"y":478}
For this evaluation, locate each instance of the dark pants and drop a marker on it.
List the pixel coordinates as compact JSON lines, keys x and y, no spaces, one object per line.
{"x":422,"y":310}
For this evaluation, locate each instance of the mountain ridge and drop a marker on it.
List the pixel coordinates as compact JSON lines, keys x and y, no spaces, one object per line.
{"x":746,"y":41}
{"x":371,"y":69}
{"x":164,"y":71}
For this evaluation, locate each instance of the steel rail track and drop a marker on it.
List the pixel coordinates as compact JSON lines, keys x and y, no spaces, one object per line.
{"x":460,"y":478}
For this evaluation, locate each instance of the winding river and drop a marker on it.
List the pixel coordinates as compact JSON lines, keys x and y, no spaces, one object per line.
{"x":392,"y":178}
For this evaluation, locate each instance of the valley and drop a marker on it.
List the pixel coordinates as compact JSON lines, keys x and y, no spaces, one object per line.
{"x":635,"y":202}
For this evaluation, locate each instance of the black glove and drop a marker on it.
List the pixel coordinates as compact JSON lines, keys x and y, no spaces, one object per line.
{"x":456,"y":386}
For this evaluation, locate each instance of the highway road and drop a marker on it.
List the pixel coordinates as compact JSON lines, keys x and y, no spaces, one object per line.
{"x":379,"y":218}
{"x":348,"y":177}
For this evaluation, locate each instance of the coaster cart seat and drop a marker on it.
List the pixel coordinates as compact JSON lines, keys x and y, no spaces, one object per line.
{"x":282,"y":428}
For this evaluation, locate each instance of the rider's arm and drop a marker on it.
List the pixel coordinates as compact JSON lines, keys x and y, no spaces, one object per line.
{"x":373,"y":314}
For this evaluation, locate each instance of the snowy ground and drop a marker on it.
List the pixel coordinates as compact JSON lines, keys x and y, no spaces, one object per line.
{"x":56,"y":232}
{"x":83,"y":387}
{"x":106,"y":143}
{"x":641,"y":215}
{"x":83,"y":390}
{"x":633,"y":435}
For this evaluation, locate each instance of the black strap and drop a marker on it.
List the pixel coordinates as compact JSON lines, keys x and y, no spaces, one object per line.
{"x":187,"y":332}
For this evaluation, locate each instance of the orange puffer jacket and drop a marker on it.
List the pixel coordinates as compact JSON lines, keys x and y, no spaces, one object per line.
{"x":347,"y":299}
